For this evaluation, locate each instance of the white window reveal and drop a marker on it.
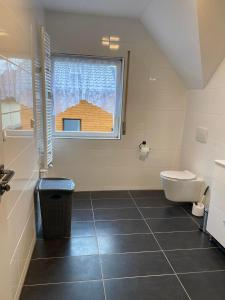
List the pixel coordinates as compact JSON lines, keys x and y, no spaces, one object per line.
{"x":87,"y":95}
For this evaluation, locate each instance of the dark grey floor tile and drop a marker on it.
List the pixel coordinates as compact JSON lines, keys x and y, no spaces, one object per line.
{"x":148,"y":193}
{"x":65,"y":291}
{"x":113,"y":203}
{"x":82,"y":195}
{"x":65,"y":247}
{"x":188,"y":208}
{"x":134,"y":264}
{"x":174,"y":224}
{"x":127,"y":243}
{"x":117,"y":214}
{"x":198,"y":220}
{"x":109,"y":194}
{"x":153,"y":202}
{"x":82,"y":215}
{"x":121,"y":227}
{"x":148,"y":288}
{"x":66,"y":269}
{"x":184,"y":261}
{"x":183,"y":240}
{"x":163,"y":212}
{"x":205,"y":286}
{"x":82,"y":229}
{"x":82,"y":204}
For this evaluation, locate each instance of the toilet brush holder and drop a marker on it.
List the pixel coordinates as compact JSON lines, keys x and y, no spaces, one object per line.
{"x":198,"y":209}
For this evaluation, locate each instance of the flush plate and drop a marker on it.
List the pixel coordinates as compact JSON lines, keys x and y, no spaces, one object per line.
{"x":202,"y":135}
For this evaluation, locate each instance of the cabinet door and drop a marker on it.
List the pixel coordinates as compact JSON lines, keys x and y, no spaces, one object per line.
{"x":216,"y":224}
{"x":218,"y":194}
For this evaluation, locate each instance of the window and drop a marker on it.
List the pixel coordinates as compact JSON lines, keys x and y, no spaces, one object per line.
{"x":71,"y":125}
{"x":16,"y":95}
{"x":87,"y":95}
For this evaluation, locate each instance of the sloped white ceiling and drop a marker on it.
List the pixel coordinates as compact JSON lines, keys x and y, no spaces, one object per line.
{"x":211,"y":19}
{"x":191,"y":33}
{"x":123,"y":8}
{"x":174,"y":26}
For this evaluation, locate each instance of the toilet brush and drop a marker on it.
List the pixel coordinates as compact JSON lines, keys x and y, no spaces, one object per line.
{"x":198,"y":208}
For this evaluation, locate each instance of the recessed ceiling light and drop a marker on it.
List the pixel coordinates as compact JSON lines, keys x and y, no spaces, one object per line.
{"x":105,"y":38}
{"x":114,"y":38}
{"x":105,"y":42}
{"x":114,"y":46}
{"x":111,"y":42}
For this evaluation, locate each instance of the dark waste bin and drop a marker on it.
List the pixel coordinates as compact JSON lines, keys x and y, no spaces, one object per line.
{"x":55,"y":195}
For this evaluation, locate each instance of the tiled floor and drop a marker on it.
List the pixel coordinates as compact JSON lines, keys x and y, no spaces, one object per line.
{"x":127,"y":245}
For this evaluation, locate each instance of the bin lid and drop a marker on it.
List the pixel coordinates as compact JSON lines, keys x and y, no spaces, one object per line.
{"x":56,"y":184}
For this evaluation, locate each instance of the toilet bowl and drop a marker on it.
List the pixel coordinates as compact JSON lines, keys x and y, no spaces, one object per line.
{"x":182,"y":186}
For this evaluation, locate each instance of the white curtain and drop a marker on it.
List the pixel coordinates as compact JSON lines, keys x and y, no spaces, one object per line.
{"x":84,"y":78}
{"x":16,"y":81}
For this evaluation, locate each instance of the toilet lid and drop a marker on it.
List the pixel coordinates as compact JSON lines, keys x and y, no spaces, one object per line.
{"x":182,"y":175}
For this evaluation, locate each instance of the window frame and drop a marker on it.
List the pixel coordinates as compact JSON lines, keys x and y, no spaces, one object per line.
{"x":73,"y":119}
{"x":118,"y":118}
{"x":18,"y":132}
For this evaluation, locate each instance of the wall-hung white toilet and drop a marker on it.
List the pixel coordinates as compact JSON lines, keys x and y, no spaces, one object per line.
{"x":182,"y":186}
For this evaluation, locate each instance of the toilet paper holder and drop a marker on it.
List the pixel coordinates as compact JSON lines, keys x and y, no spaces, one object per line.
{"x":144,"y":144}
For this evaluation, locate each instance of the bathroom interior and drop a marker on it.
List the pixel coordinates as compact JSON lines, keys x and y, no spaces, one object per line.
{"x":124,"y":101}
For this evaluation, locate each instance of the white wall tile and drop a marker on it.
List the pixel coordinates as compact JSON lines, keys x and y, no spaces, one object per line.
{"x":16,"y":17}
{"x":155,"y":109}
{"x":205,"y":108}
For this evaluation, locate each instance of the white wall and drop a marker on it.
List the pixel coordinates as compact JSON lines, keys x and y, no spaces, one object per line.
{"x":211,"y":32}
{"x":205,"y":108}
{"x":174,"y":26}
{"x":189,"y":32}
{"x":19,"y":153}
{"x":156,"y":109}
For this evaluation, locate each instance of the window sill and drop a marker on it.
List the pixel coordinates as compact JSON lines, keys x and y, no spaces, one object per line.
{"x":86,"y":136}
{"x":18,"y":133}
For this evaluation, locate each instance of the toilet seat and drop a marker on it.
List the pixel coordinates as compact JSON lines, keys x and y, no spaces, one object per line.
{"x":179,"y":175}
{"x":182,"y":186}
